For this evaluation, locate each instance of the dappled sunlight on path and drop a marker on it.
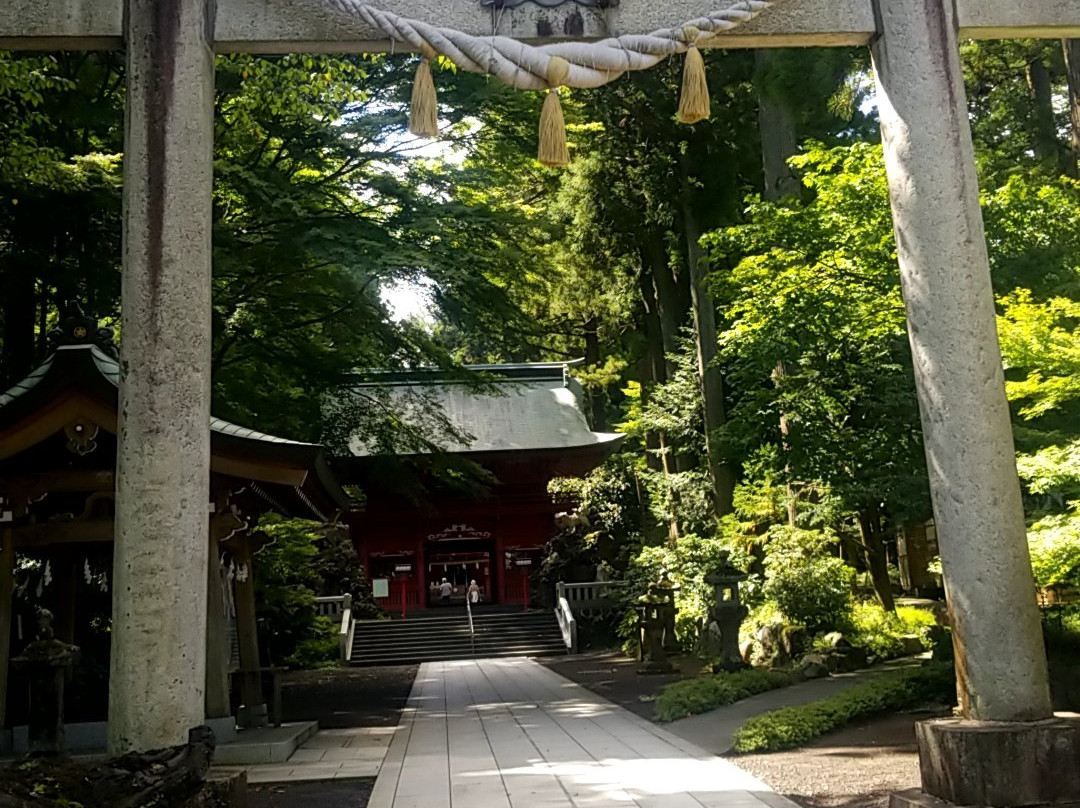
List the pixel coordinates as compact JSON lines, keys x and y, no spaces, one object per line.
{"x":510,"y":733}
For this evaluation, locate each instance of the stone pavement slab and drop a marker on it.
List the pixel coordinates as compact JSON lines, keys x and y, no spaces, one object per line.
{"x":509,"y":733}
{"x":334,"y":754}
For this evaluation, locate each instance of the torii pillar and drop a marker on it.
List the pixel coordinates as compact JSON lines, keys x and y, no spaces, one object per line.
{"x":1006,"y":748}
{"x":158,"y":669}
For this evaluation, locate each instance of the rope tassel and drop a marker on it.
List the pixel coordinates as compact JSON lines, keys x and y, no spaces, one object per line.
{"x":553,"y":149}
{"x":694,"y":103}
{"x":424,"y":110}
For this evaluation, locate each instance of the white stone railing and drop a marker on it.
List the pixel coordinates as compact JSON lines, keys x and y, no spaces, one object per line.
{"x":339,"y":608}
{"x":568,"y":624}
{"x":332,"y":606}
{"x":592,"y":599}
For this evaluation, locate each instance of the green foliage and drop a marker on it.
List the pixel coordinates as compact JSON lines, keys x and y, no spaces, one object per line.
{"x":1054,"y":543}
{"x":694,"y":696}
{"x":809,"y":588}
{"x":1043,"y":339}
{"x":812,"y":286}
{"x":794,"y":726}
{"x":879,"y":631}
{"x":302,"y":560}
{"x":686,"y":564}
{"x":320,"y":649}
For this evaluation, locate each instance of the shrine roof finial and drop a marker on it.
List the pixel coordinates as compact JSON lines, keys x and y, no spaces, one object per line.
{"x":78,"y":329}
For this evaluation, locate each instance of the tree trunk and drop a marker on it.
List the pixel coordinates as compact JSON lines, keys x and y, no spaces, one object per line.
{"x":656,"y":454}
{"x":873,"y":547}
{"x":597,"y":410}
{"x":17,"y":277}
{"x":1071,"y":47}
{"x":779,"y":143}
{"x":672,"y":293}
{"x":709,"y":375}
{"x":654,"y":369}
{"x":1047,"y":146}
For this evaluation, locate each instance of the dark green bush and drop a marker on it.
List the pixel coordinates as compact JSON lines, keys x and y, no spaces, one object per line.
{"x":794,"y":726}
{"x":705,"y":693}
{"x":320,"y":649}
{"x":807,"y":582}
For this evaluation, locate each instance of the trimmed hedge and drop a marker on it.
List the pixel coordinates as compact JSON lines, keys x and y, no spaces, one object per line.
{"x":693,"y":696}
{"x":794,"y":726}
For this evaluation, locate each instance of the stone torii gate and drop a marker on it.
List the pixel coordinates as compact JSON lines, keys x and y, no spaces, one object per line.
{"x":160,"y":576}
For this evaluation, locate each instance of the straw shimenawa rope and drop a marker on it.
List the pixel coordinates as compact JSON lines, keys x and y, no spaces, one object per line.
{"x":528,"y":67}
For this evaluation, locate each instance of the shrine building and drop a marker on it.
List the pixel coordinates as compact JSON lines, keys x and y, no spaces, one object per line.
{"x":523,"y":428}
{"x":57,"y":516}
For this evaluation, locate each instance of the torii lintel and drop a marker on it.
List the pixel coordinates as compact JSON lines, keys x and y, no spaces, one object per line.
{"x":278,"y":26}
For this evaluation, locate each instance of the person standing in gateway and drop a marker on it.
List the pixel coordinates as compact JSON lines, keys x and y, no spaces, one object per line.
{"x":445,"y":589}
{"x":474,"y":593}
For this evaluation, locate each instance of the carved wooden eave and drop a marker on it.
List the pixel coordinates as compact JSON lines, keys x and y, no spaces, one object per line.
{"x":57,"y":435}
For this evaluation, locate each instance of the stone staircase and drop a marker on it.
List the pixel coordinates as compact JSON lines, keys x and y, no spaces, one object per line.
{"x":446,"y":636}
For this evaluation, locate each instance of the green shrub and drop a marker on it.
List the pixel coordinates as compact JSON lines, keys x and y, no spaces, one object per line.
{"x":880,"y":632}
{"x":1054,"y":542}
{"x":694,"y":696}
{"x":320,"y":649}
{"x":794,"y":726}
{"x":814,"y":592}
{"x":686,"y":564}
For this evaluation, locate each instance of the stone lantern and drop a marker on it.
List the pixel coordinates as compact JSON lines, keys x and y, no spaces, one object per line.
{"x":727,"y":613}
{"x":48,"y":663}
{"x":651,"y":611}
{"x":664,"y":592}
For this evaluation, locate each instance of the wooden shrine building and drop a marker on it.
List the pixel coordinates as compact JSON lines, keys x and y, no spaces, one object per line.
{"x":57,"y":481}
{"x":523,"y":428}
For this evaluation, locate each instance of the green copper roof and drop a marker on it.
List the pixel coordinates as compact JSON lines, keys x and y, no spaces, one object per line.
{"x":109,"y":368}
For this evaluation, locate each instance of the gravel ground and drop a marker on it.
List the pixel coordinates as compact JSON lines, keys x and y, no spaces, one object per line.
{"x":856,"y":767}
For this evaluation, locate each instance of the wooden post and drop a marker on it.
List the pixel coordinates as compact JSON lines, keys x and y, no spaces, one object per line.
{"x":7,"y":590}
{"x":250,"y":679}
{"x":217,"y":652}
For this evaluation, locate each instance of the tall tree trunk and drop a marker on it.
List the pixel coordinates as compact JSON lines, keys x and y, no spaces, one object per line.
{"x":873,"y":548}
{"x":1071,"y":47}
{"x":597,"y":412}
{"x":709,"y":375}
{"x":779,"y":143}
{"x":657,"y":455}
{"x":1047,"y":146}
{"x":18,"y":273}
{"x":672,"y":292}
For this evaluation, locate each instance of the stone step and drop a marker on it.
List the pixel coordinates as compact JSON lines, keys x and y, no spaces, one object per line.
{"x":446,"y":637}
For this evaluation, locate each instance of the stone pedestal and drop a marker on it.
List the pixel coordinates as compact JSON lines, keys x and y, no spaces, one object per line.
{"x":1005,"y":764}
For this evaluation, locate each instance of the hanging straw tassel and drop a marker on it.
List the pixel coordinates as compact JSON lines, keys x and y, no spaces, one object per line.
{"x":553,"y":149}
{"x":694,"y":104}
{"x":424,"y":111}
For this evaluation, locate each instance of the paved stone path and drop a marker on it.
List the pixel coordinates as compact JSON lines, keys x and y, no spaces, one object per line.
{"x":330,"y":754}
{"x":510,"y":733}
